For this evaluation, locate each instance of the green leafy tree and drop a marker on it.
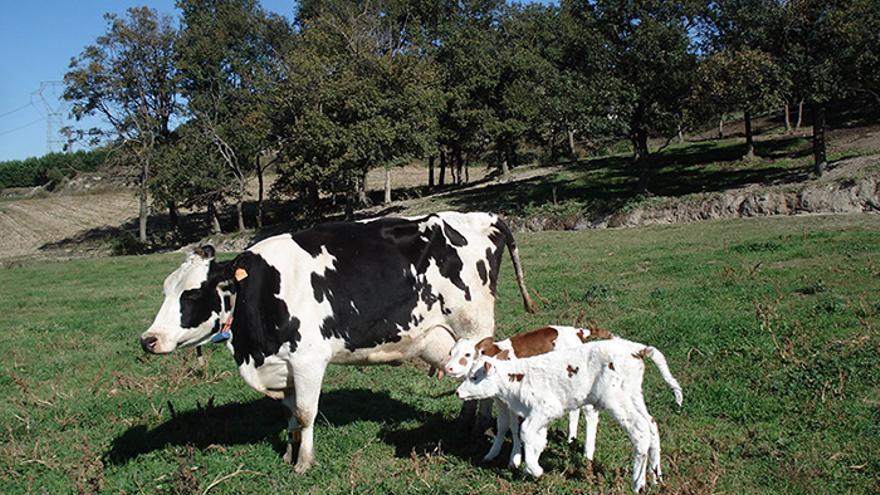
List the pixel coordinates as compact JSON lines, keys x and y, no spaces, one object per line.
{"x":129,"y":79}
{"x":229,"y":56}
{"x":652,"y":61}
{"x":743,"y":79}
{"x":359,"y":96}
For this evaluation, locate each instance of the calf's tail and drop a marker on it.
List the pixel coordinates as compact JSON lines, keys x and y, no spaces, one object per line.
{"x":517,"y":266}
{"x":660,"y":362}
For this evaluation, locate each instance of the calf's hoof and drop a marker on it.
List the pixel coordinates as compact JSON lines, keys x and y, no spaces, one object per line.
{"x":515,"y":462}
{"x":535,"y":473}
{"x":288,"y":456}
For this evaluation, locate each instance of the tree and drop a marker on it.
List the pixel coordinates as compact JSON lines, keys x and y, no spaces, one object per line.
{"x":832,"y":45}
{"x":229,"y":58}
{"x":651,"y":60}
{"x":744,"y":79}
{"x":359,"y":96}
{"x":191,"y":173}
{"x":128,"y":78}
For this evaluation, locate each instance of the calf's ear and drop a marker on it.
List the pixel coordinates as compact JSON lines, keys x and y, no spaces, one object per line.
{"x":487,"y":366}
{"x":206,"y":251}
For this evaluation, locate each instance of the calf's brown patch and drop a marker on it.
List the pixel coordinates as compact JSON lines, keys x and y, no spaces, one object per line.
{"x":516,"y":377}
{"x":642,"y":354}
{"x":487,"y":347}
{"x":595,"y":333}
{"x":611,"y":366}
{"x":540,"y":341}
{"x":572,"y":370}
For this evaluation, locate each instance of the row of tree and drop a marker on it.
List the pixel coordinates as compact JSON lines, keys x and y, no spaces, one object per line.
{"x":198,"y":108}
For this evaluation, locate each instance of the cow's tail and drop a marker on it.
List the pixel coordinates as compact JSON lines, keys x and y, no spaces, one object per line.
{"x":517,"y":266}
{"x":660,"y":362}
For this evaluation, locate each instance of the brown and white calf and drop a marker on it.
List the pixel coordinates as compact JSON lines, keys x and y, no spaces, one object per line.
{"x":605,"y":374}
{"x":532,"y":343}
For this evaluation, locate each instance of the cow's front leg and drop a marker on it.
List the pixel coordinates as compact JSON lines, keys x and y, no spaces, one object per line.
{"x":293,"y":435}
{"x":307,"y":378}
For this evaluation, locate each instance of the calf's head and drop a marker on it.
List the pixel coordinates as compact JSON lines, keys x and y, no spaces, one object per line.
{"x":198,"y":298}
{"x":481,"y":382}
{"x":461,"y":358}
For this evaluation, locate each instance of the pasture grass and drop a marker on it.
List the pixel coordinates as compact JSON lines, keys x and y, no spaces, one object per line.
{"x":770,"y":325}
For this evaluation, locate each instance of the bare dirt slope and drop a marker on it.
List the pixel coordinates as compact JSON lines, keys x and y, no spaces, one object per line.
{"x":26,"y":225}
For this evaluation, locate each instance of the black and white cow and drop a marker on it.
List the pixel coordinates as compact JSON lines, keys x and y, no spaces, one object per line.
{"x":375,"y":291}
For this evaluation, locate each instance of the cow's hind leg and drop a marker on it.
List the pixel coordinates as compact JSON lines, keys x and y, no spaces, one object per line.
{"x":307,"y":378}
{"x":289,"y":402}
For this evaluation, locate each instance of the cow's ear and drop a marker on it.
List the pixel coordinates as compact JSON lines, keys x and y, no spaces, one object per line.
{"x":206,"y":252}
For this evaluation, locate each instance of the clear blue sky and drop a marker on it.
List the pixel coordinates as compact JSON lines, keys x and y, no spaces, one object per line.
{"x":37,"y":40}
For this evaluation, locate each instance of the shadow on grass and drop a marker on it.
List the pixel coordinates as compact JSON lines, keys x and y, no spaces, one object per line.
{"x":257,"y":421}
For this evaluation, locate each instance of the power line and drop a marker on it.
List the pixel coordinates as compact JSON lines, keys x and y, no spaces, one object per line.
{"x":4,"y":114}
{"x":22,"y":126}
{"x":49,"y":94}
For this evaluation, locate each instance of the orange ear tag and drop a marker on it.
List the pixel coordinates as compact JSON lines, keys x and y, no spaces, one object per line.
{"x":240,"y":274}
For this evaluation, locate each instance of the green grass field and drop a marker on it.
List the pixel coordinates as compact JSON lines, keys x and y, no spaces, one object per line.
{"x":770,"y":325}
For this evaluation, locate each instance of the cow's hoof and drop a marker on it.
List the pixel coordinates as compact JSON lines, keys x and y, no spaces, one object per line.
{"x":302,"y":467}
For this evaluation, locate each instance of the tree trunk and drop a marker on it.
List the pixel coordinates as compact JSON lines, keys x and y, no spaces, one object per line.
{"x":458,"y":164}
{"x":259,"y":197}
{"x":680,"y":135}
{"x":212,"y":217}
{"x":467,"y":166}
{"x":362,"y":198}
{"x":505,"y":162}
{"x":571,"y":150}
{"x":431,"y":172}
{"x":312,"y":196}
{"x":819,"y":138}
{"x":787,"y":110}
{"x":442,"y":179}
{"x":239,"y":213}
{"x":387,"y":185}
{"x":750,"y":143}
{"x":642,"y":159}
{"x":143,"y":206}
{"x":800,"y":119}
{"x":173,"y":217}
{"x":721,"y":128}
{"x":350,"y":199}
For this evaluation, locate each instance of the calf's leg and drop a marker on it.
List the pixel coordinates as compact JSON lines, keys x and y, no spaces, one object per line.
{"x":639,"y":431}
{"x":515,"y":452}
{"x":534,"y":436}
{"x":502,"y":424}
{"x":573,"y":417}
{"x":591,"y":417}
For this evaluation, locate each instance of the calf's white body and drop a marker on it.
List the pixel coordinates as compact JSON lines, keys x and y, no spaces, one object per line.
{"x":604,"y":374}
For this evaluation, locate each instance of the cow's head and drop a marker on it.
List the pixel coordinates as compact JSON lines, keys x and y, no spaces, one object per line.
{"x":199,"y":296}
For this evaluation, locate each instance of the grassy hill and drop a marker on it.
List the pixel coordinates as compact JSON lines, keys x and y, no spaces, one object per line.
{"x":770,"y":325}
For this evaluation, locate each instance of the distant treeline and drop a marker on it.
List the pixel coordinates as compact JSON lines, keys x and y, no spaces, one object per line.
{"x":51,"y":168}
